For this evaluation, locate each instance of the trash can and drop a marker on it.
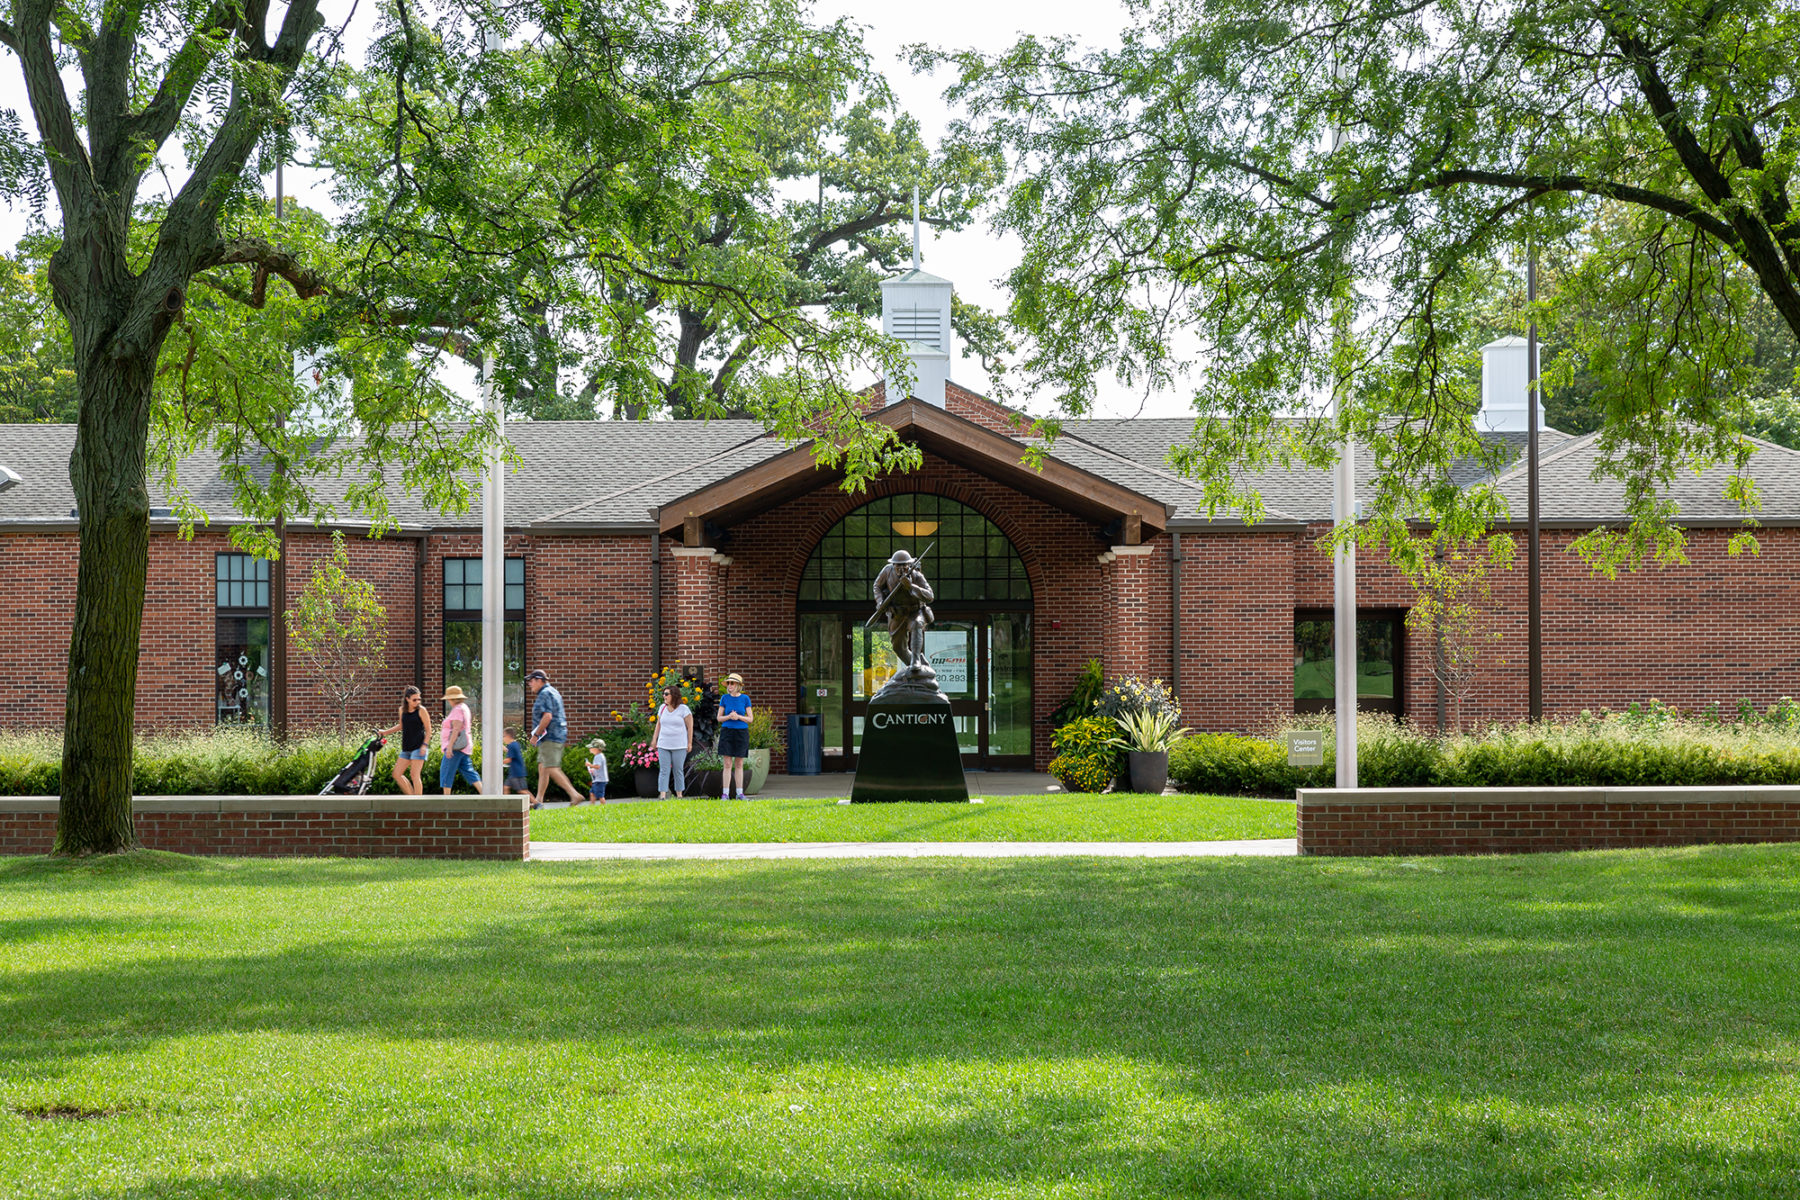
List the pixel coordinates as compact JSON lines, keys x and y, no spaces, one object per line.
{"x":803,"y":743}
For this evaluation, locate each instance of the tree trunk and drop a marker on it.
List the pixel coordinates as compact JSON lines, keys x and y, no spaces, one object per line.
{"x":107,"y":471}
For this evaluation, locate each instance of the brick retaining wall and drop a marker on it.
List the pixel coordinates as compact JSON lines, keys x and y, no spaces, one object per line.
{"x":491,"y":827}
{"x":1518,"y":820}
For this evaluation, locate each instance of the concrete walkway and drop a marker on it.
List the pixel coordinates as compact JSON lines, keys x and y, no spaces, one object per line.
{"x":713,"y":851}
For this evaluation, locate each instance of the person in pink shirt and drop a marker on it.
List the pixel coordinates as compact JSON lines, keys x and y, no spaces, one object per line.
{"x":456,"y":736}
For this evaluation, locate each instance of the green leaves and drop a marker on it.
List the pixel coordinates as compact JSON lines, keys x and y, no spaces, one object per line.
{"x":1187,"y":212}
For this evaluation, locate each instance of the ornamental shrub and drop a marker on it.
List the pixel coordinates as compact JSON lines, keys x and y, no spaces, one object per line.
{"x":1649,"y":747}
{"x":1086,"y":760}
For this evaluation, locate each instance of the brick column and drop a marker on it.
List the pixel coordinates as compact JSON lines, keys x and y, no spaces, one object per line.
{"x":1128,"y":617}
{"x":693,"y":616}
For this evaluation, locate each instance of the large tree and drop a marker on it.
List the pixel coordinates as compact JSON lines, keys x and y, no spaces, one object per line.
{"x":187,"y":310}
{"x":804,"y":199}
{"x":1294,"y":197}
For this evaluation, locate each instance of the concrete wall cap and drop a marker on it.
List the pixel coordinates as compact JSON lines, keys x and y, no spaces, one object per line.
{"x":293,"y":804}
{"x":1747,"y":793}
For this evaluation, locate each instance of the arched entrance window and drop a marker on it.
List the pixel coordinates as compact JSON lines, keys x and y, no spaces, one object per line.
{"x":980,"y":644}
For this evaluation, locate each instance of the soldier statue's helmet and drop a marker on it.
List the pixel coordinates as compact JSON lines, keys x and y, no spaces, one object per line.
{"x":900,"y":558}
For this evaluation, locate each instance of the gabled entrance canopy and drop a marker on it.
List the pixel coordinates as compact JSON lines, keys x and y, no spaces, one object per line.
{"x":950,"y":437}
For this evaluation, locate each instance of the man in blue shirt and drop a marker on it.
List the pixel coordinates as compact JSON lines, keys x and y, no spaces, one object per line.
{"x":549,"y":735}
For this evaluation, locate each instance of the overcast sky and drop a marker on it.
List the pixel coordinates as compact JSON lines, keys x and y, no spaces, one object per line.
{"x":975,"y":260}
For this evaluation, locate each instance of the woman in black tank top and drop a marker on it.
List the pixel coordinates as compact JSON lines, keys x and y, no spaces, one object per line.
{"x":414,"y":727}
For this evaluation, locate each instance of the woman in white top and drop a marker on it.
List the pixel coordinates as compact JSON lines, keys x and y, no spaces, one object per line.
{"x":674,"y":738}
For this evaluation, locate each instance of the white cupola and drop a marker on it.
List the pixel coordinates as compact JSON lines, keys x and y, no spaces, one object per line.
{"x":915,"y":308}
{"x":1505,"y":385}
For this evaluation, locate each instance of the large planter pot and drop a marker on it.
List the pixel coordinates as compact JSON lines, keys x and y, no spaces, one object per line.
{"x":622,"y":786}
{"x":645,"y":780}
{"x":756,"y":767}
{"x":704,"y":784}
{"x":1149,"y":770}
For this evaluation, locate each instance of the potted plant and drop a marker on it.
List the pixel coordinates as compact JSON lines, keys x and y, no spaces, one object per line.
{"x":1148,"y":736}
{"x":763,"y":742}
{"x":640,"y":760}
{"x":705,"y":773}
{"x":1131,"y":694}
{"x":632,"y":725}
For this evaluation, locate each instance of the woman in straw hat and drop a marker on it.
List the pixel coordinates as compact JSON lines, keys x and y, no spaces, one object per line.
{"x":457,"y":737}
{"x":734,"y":732}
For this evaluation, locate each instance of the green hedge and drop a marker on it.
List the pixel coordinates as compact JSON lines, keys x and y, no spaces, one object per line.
{"x":222,"y":762}
{"x":1581,"y":754}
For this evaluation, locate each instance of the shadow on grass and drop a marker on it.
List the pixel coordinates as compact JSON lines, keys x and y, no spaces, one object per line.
{"x":1465,"y":1025}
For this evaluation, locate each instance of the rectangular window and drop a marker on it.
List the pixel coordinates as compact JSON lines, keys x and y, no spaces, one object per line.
{"x":462,"y":634}
{"x":243,"y":581}
{"x":462,"y":586}
{"x":241,"y":638}
{"x":1380,"y":659}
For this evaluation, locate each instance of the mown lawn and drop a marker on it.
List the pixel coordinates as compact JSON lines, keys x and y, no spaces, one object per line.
{"x":1108,"y":818}
{"x":1617,"y":1024}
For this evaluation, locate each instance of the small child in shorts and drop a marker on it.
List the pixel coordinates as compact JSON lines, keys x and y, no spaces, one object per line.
{"x":597,"y":771}
{"x":515,"y":764}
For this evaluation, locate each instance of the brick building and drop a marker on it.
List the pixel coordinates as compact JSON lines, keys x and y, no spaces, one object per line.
{"x":715,"y":546}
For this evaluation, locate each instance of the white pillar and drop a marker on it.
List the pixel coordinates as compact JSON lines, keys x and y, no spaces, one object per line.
{"x":493,"y":596}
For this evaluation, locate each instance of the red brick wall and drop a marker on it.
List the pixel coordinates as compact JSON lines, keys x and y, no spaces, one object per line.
{"x":258,"y":828}
{"x":1237,"y":629}
{"x":1516,"y":820}
{"x":390,"y":565}
{"x":1718,"y":629}
{"x":37,"y":613}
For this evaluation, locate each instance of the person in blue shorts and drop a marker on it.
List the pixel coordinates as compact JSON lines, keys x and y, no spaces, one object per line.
{"x":515,"y":764}
{"x":734,"y":732}
{"x":597,"y":771}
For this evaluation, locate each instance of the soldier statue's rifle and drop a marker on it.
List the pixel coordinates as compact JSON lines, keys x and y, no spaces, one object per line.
{"x":911,"y":566}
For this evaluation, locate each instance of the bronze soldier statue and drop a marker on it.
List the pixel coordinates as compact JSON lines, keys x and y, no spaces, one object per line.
{"x":904,"y":596}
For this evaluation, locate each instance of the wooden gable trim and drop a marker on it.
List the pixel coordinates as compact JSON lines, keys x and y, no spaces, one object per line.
{"x":951,"y":437}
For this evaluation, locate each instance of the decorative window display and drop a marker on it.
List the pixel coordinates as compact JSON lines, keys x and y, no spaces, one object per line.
{"x":241,"y":639}
{"x":462,"y":631}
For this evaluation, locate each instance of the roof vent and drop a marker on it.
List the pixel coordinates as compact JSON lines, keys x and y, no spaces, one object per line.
{"x":922,"y":326}
{"x":8,"y":479}
{"x":915,"y":309}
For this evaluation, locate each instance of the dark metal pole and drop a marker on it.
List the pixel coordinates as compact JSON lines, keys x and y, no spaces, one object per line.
{"x":1175,"y":560}
{"x":278,"y":698}
{"x":1534,"y":609}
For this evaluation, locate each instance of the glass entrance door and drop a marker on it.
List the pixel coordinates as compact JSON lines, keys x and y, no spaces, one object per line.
{"x":983,"y":665}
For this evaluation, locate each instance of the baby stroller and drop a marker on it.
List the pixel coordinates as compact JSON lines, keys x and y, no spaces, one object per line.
{"x":354,"y":779}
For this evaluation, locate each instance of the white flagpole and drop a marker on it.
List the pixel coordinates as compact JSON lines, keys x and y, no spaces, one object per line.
{"x":1343,"y":513}
{"x":493,"y":595}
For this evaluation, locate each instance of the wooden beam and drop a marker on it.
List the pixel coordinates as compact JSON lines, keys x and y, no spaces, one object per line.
{"x":693,"y":531}
{"x":1134,"y":529}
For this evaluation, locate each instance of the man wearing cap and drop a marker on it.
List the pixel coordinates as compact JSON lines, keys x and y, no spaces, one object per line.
{"x":734,"y":732}
{"x":549,"y":735}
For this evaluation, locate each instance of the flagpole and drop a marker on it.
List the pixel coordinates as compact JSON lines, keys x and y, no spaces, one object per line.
{"x":493,"y":594}
{"x":1534,"y":609}
{"x":1343,"y":518}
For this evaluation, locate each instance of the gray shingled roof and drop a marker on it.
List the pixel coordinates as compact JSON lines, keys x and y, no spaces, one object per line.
{"x":1568,"y":490}
{"x":615,"y":474}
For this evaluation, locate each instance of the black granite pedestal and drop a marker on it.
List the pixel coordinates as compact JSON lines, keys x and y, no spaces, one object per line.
{"x":909,"y":749}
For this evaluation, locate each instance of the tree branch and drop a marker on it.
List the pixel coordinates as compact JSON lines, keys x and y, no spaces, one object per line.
{"x":187,"y":67}
{"x":1684,"y":210}
{"x":269,"y":260}
{"x":70,"y":170}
